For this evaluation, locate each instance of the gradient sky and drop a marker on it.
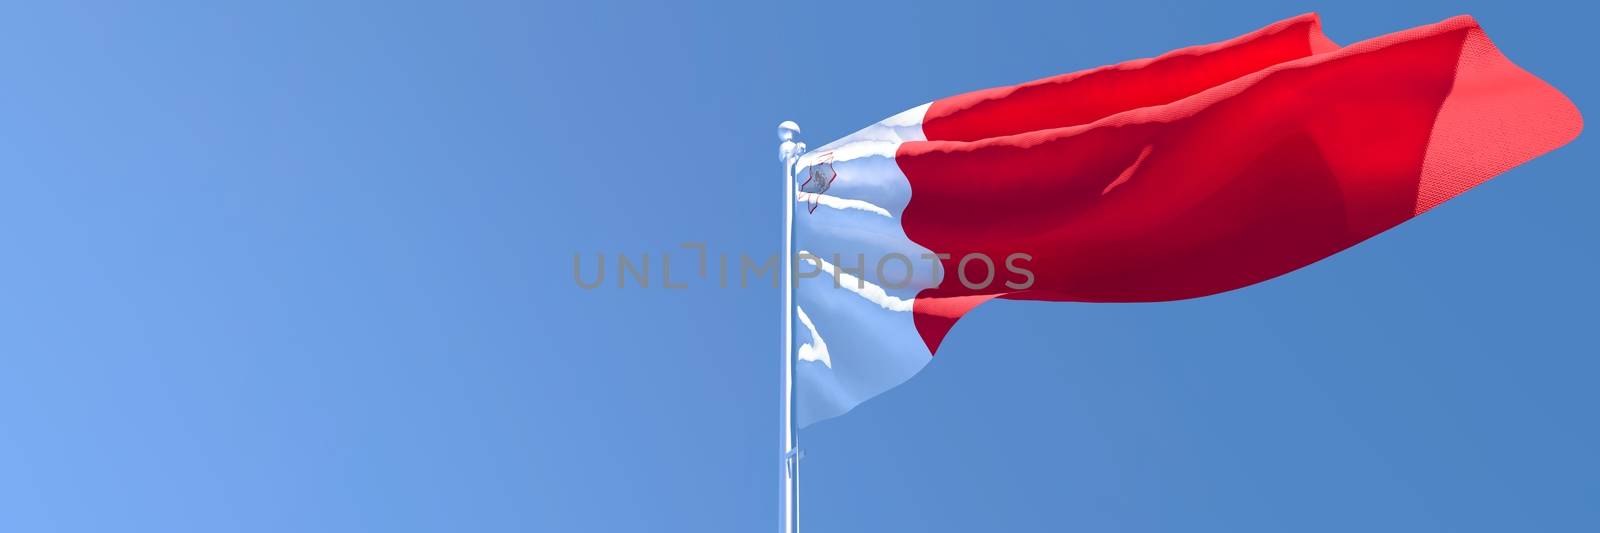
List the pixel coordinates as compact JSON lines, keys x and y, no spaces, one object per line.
{"x":306,"y":266}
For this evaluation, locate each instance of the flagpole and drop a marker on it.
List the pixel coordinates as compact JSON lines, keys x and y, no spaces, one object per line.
{"x":789,"y":470}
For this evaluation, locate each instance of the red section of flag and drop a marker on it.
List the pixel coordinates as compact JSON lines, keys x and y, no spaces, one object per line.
{"x":1085,"y":96}
{"x":1181,"y":177}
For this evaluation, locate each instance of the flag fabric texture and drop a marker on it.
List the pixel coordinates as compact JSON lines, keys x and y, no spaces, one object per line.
{"x":1200,"y":171}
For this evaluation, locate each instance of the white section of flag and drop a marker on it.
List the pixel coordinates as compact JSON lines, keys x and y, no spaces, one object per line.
{"x":871,"y":342}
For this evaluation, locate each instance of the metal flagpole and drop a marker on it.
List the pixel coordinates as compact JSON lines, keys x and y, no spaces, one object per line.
{"x":789,"y":151}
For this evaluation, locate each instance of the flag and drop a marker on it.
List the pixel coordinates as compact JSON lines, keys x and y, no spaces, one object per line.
{"x":1200,"y":171}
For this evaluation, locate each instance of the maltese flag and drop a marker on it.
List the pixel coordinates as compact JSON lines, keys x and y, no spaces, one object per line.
{"x":1203,"y":170}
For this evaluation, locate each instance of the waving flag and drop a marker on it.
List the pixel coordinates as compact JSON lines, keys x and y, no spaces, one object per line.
{"x":1200,"y":171}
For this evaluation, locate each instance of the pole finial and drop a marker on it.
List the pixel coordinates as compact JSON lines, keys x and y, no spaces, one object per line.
{"x":790,"y":148}
{"x":788,"y":130}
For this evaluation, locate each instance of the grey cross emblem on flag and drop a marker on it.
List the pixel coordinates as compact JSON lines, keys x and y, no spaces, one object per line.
{"x":819,"y":176}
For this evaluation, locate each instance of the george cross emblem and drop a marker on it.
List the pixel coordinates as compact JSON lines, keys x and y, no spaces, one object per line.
{"x":819,"y":176}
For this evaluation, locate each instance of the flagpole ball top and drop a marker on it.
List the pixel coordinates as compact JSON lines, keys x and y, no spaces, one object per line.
{"x":788,"y":130}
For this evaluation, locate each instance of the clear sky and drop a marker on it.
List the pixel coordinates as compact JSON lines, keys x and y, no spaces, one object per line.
{"x":307,"y":266}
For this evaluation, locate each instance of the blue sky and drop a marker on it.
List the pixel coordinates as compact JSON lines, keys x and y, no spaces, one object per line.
{"x":306,"y":266}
